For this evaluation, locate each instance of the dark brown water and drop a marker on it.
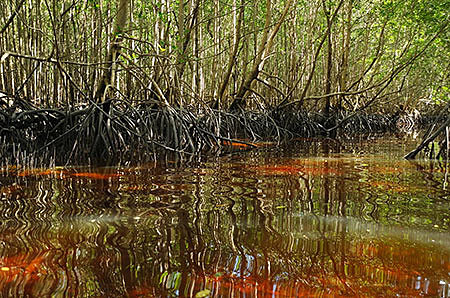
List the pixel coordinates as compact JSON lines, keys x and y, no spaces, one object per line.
{"x":315,"y":219}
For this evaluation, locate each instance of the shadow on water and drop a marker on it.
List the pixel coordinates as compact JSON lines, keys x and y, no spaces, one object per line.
{"x":326,"y":220}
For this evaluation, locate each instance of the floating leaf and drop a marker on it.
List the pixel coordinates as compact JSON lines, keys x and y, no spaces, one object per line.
{"x":204,"y":293}
{"x":163,"y":276}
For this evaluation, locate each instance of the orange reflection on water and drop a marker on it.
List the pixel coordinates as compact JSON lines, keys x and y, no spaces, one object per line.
{"x":231,"y":285}
{"x":91,"y":175}
{"x":385,"y":170}
{"x":12,"y":268}
{"x":141,"y":291}
{"x":250,"y":226}
{"x":277,"y":170}
{"x":238,"y":145}
{"x":294,"y":169}
{"x":40,"y":172}
{"x":67,"y":173}
{"x":390,"y":186}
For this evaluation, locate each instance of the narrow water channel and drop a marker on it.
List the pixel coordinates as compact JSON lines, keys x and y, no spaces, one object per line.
{"x":312,"y":219}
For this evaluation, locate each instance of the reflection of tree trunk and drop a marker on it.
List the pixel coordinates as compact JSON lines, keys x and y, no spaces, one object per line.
{"x":186,"y":247}
{"x":343,"y":246}
{"x":166,"y":247}
{"x":326,"y":181}
{"x":309,"y":196}
{"x":340,"y":188}
{"x":103,"y":275}
{"x":125,"y":261}
{"x":186,"y":238}
{"x":332,"y":254}
{"x":326,"y":194}
{"x":317,"y":254}
{"x":235,"y":239}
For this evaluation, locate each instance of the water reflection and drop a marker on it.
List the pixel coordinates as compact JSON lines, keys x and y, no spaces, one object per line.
{"x":305,"y":221}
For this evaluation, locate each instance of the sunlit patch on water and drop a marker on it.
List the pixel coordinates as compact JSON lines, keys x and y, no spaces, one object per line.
{"x":319,"y":220}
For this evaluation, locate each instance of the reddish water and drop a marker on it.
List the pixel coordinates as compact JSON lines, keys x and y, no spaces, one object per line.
{"x":315,"y":219}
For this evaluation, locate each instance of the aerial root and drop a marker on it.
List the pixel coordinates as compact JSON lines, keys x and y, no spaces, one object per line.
{"x":118,"y":130}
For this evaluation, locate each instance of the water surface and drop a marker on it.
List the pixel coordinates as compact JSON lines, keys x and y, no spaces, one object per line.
{"x":312,"y":219}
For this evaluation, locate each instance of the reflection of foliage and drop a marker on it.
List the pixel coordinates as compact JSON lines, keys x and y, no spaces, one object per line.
{"x":335,"y":224}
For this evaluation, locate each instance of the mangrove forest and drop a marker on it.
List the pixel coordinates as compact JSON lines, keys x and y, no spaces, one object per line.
{"x":87,"y":81}
{"x":232,"y":148}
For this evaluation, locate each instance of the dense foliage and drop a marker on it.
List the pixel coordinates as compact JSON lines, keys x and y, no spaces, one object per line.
{"x":365,"y":53}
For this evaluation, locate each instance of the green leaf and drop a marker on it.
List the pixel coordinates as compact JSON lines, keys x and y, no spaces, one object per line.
{"x":204,"y":293}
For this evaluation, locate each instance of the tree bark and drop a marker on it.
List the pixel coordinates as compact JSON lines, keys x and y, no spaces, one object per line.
{"x":316,"y":54}
{"x":263,"y":51}
{"x":327,"y":108}
{"x":108,"y":77}
{"x":232,"y":58}
{"x":11,"y":17}
{"x":346,"y":33}
{"x":245,"y":86}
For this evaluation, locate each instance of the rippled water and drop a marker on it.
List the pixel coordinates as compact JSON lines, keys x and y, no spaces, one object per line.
{"x":313,"y":219}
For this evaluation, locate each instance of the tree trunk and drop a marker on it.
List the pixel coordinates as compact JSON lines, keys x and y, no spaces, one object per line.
{"x":232,"y":58}
{"x":262,"y":54}
{"x":327,"y":107}
{"x":346,"y":33}
{"x":108,"y":77}
{"x":316,"y":54}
